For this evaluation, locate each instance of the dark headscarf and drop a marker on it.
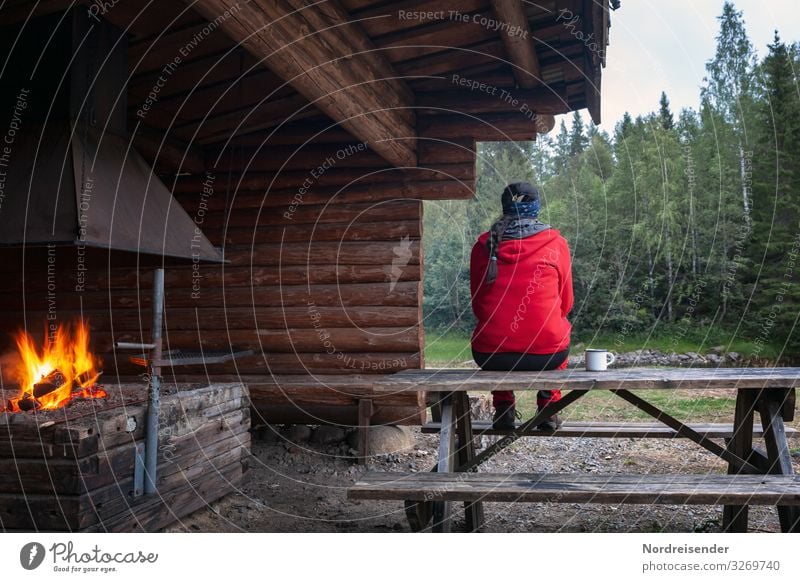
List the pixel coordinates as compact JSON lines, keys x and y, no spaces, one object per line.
{"x":521,"y":203}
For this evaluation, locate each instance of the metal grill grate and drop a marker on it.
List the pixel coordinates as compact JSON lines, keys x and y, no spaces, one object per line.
{"x":174,"y":358}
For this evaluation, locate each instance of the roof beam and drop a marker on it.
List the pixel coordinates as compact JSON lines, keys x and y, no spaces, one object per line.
{"x":318,"y":50}
{"x":542,"y":101}
{"x":518,"y":41}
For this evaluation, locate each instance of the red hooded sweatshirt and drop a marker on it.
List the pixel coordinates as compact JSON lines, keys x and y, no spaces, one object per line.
{"x":525,"y":309}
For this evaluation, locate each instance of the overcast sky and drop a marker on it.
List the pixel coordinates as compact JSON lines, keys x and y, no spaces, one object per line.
{"x":663,"y":45}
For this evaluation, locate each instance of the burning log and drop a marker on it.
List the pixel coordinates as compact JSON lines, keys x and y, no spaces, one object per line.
{"x":53,"y":381}
{"x":27,"y":403}
{"x":73,"y":369}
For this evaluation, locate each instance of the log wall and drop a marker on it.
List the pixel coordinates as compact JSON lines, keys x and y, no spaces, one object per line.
{"x":322,"y":280}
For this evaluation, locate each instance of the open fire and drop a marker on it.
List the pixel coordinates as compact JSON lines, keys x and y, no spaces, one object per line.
{"x":63,"y":370}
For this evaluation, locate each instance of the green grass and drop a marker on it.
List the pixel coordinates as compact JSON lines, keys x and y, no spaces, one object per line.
{"x":451,"y":349}
{"x":604,"y":406}
{"x":676,"y":340}
{"x":446,"y":350}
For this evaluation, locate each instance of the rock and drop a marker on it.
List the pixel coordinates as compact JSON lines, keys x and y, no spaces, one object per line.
{"x":266,"y":433}
{"x":714,"y":358}
{"x":385,"y":439}
{"x":693,"y":355}
{"x":733,"y":356}
{"x":297,"y":433}
{"x":716,"y":350}
{"x":327,"y":434}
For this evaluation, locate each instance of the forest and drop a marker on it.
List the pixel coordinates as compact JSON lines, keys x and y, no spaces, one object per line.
{"x":682,"y":224}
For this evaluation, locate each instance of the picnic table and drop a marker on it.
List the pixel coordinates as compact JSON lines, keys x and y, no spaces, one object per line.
{"x":755,"y":476}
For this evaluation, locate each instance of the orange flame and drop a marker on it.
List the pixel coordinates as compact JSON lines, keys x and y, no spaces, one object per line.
{"x":65,"y":359}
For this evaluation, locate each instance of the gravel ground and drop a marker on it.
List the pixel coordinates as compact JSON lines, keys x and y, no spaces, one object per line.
{"x":293,"y":487}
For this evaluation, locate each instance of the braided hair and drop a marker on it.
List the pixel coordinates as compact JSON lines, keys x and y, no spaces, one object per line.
{"x":519,"y":200}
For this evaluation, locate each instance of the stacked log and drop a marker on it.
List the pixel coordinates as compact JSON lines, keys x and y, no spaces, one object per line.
{"x":59,"y":472}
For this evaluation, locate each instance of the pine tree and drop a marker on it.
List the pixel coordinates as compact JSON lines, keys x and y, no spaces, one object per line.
{"x":561,"y":149}
{"x":577,"y":136}
{"x":776,"y":205}
{"x":664,"y":113}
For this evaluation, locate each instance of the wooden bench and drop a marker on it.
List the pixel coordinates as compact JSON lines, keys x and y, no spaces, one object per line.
{"x":754,"y":476}
{"x":581,"y":488}
{"x":649,"y":430}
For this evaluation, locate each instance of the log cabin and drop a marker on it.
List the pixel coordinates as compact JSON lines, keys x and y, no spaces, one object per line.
{"x":298,"y":141}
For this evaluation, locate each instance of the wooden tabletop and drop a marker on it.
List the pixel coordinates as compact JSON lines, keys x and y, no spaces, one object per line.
{"x":453,"y":380}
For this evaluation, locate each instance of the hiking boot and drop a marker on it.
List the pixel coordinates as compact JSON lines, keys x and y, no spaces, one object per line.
{"x":550,"y":424}
{"x":504,"y":417}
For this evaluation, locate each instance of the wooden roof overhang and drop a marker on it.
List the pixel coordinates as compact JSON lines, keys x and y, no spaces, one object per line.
{"x":206,"y":76}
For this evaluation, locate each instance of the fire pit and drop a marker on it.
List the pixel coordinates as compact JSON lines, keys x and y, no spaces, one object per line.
{"x":74,"y":468}
{"x":64,"y":369}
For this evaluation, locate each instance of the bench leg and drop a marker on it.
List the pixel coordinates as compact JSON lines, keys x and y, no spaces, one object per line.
{"x":735,"y":517}
{"x":441,"y":509}
{"x":365,"y":411}
{"x":466,"y":453}
{"x":770,"y":406}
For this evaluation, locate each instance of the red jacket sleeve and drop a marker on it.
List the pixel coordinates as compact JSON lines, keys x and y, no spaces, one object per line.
{"x":565,"y":280}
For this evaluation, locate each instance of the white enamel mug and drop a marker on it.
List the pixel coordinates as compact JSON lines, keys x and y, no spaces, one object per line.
{"x":599,"y":360}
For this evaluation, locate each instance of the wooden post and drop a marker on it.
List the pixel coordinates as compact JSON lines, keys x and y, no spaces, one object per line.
{"x":466,"y":453}
{"x":365,"y":412}
{"x":770,"y":407}
{"x":734,"y":517}
{"x":441,"y":509}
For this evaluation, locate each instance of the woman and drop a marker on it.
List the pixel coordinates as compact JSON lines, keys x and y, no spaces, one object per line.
{"x":521,"y":283}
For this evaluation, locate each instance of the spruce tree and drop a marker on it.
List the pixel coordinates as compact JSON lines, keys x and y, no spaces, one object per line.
{"x":776,"y":203}
{"x":664,"y":113}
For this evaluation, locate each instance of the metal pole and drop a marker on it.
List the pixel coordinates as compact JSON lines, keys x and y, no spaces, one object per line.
{"x":151,"y":438}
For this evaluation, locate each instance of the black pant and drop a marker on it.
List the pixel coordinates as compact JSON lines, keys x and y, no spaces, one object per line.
{"x":511,"y":361}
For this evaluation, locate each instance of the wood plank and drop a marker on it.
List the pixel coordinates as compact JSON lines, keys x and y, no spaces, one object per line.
{"x":546,"y":101}
{"x":735,"y":517}
{"x":389,"y":19}
{"x":363,"y":94}
{"x":354,"y":194}
{"x":615,"y":430}
{"x":264,"y":114}
{"x":268,"y":363}
{"x":153,"y":54}
{"x":165,"y":153}
{"x":474,"y":514}
{"x":581,"y":488}
{"x":325,"y":295}
{"x":446,"y":463}
{"x":311,"y":339}
{"x":340,"y":414}
{"x":518,"y":41}
{"x":187,"y":318}
{"x":355,"y":231}
{"x":488,"y":127}
{"x":218,"y":69}
{"x":272,"y":158}
{"x":341,"y":176}
{"x":78,"y":476}
{"x":445,"y":380}
{"x":119,"y":280}
{"x":301,"y":213}
{"x":780,"y":458}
